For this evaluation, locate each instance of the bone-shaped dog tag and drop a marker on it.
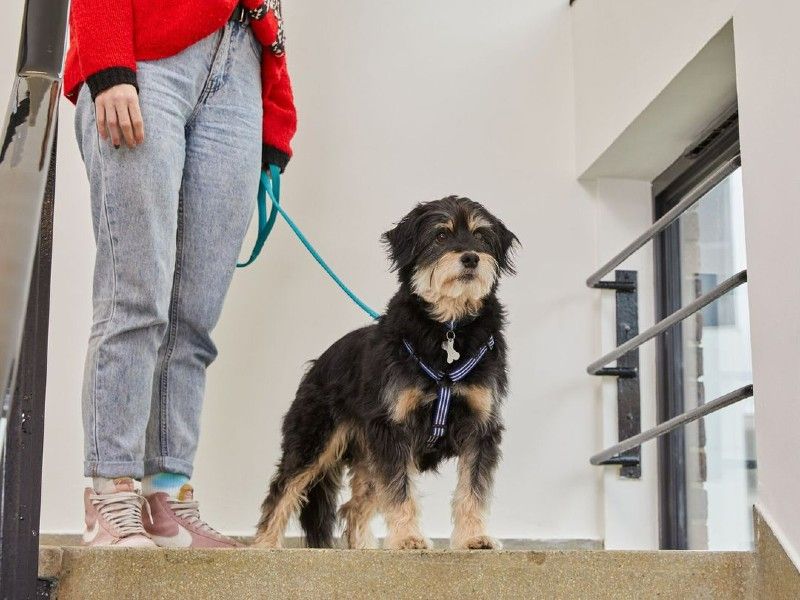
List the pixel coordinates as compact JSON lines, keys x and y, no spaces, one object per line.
{"x":449,"y":346}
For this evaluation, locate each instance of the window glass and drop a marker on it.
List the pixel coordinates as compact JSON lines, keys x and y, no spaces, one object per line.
{"x":720,"y":448}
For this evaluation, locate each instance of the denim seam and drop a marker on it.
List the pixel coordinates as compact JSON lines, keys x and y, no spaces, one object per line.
{"x":172,"y":335}
{"x":169,"y":464}
{"x":215,"y":78}
{"x":252,"y":41}
{"x":125,"y":468}
{"x":211,"y":83}
{"x":102,"y":336}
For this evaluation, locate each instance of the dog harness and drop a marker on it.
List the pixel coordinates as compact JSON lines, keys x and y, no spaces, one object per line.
{"x":445,"y":383}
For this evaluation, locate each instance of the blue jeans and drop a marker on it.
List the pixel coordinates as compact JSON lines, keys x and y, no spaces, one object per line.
{"x":169,"y":219}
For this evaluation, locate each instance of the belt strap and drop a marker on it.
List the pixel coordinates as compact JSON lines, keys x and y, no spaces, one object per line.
{"x":239,"y":15}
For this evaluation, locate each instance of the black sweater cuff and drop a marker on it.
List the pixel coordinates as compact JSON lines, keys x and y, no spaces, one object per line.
{"x":272,"y":156}
{"x":108,"y":78}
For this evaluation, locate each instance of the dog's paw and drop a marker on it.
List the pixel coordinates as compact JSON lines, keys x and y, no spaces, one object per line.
{"x":479,"y":542}
{"x":412,"y":542}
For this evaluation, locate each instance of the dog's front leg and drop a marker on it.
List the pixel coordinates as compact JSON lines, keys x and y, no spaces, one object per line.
{"x":476,"y":466}
{"x":402,"y":515}
{"x":394,"y":467}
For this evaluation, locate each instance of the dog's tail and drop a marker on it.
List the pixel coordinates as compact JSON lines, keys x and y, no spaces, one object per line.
{"x":318,"y":513}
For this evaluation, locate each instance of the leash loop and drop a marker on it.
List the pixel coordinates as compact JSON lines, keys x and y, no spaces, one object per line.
{"x":270,"y":187}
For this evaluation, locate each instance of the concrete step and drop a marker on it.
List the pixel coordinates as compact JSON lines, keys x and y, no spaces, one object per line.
{"x":74,"y":539}
{"x":118,"y":574}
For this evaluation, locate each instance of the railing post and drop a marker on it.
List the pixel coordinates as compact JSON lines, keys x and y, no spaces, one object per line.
{"x":628,"y":391}
{"x":22,"y":455}
{"x":626,"y":370}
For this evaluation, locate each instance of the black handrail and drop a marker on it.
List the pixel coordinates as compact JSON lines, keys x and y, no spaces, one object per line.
{"x":27,"y":189}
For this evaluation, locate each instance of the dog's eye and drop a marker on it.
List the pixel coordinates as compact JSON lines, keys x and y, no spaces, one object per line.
{"x":441,"y":237}
{"x":478,"y":235}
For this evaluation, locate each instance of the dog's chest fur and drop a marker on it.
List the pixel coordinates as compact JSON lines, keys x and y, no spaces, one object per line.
{"x":409,"y":395}
{"x":478,"y":399}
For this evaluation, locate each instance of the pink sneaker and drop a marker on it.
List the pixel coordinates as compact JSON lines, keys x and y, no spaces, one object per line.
{"x":115,"y":519}
{"x":176,"y":523}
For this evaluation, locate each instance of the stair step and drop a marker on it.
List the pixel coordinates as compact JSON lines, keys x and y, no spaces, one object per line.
{"x":117,"y":574}
{"x":74,"y":539}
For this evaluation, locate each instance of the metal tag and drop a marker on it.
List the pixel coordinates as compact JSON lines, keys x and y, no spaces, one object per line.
{"x":449,"y":346}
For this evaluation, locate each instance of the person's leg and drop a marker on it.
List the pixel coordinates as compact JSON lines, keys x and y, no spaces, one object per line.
{"x":134,"y":197}
{"x":217,"y":198}
{"x":218,"y":195}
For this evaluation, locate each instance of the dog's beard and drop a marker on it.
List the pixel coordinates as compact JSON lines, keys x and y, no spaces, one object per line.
{"x":452,"y":291}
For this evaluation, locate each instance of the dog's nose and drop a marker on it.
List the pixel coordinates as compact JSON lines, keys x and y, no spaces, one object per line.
{"x":470,"y":260}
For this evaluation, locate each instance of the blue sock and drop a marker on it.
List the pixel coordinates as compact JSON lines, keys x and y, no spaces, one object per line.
{"x":169,"y":483}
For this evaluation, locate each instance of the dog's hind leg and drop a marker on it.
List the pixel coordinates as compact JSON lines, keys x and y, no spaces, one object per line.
{"x":318,"y":512}
{"x":476,"y":465}
{"x":289,"y":487}
{"x":359,"y":510}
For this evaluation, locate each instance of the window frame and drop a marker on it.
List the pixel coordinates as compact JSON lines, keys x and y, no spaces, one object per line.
{"x":669,"y":188}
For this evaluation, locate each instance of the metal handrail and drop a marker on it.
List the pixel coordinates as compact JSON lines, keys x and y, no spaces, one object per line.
{"x":689,"y":200}
{"x":27,"y":189}
{"x":609,"y":454}
{"x":27,"y":137}
{"x":676,"y":317}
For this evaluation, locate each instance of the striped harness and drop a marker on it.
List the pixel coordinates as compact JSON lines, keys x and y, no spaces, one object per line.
{"x":445,"y":383}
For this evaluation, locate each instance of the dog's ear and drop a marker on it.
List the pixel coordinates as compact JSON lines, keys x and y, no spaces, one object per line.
{"x":508,"y":245}
{"x":401,"y":241}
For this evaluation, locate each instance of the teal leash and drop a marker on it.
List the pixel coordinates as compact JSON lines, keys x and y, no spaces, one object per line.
{"x":270,"y":186}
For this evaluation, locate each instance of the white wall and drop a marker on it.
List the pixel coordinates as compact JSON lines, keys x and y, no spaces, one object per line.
{"x":398,"y":103}
{"x":768,"y":72}
{"x":630,"y":506}
{"x":626,"y":52}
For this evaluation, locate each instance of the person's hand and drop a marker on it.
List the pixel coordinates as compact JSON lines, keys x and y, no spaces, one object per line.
{"x":119,"y":116}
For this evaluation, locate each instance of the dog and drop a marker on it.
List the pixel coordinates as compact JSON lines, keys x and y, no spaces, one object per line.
{"x":372,"y":402}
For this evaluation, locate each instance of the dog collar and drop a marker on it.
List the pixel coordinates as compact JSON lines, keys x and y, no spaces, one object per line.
{"x":445,"y":383}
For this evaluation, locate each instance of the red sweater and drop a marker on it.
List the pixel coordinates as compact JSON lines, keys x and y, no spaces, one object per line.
{"x":107,"y":37}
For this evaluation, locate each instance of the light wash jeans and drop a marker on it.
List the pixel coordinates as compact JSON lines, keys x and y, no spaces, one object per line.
{"x":169,"y":219}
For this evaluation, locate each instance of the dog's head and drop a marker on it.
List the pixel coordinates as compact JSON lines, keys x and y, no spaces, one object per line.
{"x":451,"y":252}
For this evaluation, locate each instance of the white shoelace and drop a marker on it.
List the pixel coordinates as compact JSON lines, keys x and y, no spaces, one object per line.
{"x":123,"y":510}
{"x":190,"y":510}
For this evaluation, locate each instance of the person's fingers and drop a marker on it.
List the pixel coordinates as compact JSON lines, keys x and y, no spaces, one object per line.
{"x":136,"y":120}
{"x":112,"y":121}
{"x":121,"y":107}
{"x":100,"y":112}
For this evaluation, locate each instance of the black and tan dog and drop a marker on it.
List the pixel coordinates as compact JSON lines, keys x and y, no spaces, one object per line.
{"x":395,"y":398}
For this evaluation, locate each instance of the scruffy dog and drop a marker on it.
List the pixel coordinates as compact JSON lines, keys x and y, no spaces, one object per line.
{"x":395,"y":398}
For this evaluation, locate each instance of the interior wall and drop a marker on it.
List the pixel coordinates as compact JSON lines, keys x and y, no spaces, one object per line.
{"x":630,"y":506}
{"x":625,"y":53}
{"x":398,"y":104}
{"x":768,"y":73}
